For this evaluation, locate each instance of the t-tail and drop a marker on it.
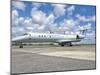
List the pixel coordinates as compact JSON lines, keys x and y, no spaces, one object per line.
{"x":82,"y":34}
{"x":83,"y":31}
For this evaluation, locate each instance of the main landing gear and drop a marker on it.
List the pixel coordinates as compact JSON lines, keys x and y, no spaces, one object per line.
{"x":70,"y":44}
{"x":21,"y":46}
{"x":63,"y":44}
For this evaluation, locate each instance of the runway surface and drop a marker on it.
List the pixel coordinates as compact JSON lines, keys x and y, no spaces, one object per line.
{"x":47,"y":58}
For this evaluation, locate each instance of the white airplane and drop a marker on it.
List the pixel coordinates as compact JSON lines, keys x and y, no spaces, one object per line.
{"x":61,"y":39}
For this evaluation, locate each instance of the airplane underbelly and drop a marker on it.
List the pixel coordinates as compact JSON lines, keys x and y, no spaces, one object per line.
{"x":43,"y":40}
{"x":78,"y":40}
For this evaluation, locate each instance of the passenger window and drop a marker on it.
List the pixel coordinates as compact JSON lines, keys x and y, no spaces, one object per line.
{"x":39,"y":36}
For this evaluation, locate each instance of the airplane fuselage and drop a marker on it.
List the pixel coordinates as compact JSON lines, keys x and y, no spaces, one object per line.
{"x":62,"y":39}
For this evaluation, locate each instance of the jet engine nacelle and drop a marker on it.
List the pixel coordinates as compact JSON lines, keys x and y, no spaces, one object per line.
{"x":77,"y":37}
{"x":80,"y":36}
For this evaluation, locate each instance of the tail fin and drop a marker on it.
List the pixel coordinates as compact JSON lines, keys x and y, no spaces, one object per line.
{"x":85,"y":28}
{"x":83,"y":31}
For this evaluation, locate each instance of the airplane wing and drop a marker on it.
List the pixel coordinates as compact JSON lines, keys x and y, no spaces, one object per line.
{"x":67,"y":41}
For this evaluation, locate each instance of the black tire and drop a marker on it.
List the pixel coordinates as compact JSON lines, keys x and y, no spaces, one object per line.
{"x":61,"y":44}
{"x":21,"y":46}
{"x":70,"y":44}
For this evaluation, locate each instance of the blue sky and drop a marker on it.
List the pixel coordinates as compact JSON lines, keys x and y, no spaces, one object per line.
{"x":43,"y":17}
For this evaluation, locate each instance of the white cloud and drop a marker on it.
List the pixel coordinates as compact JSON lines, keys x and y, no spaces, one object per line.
{"x":68,"y":26}
{"x":41,"y":22}
{"x":87,"y":26}
{"x":89,"y":38}
{"x":20,"y":25}
{"x":70,"y":10}
{"x":35,"y":26}
{"x":21,"y":29}
{"x":38,"y":16}
{"x":86,"y":18}
{"x":49,"y":19}
{"x":21,"y":20}
{"x":73,"y":26}
{"x":17,"y":31}
{"x":14,"y":29}
{"x":69,"y":23}
{"x":41,"y":27}
{"x":59,"y":9}
{"x":49,"y":22}
{"x":29,"y":29}
{"x":36,"y":4}
{"x":93,"y":18}
{"x":15,"y":16}
{"x":19,"y":5}
{"x":28,"y":22}
{"x":91,"y":35}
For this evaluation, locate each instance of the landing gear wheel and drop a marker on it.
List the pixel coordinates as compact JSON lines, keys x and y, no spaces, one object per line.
{"x":70,"y":44}
{"x":62,"y":45}
{"x":21,"y":46}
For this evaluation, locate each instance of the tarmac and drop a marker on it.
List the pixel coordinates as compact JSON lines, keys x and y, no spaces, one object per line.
{"x":52,"y":58}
